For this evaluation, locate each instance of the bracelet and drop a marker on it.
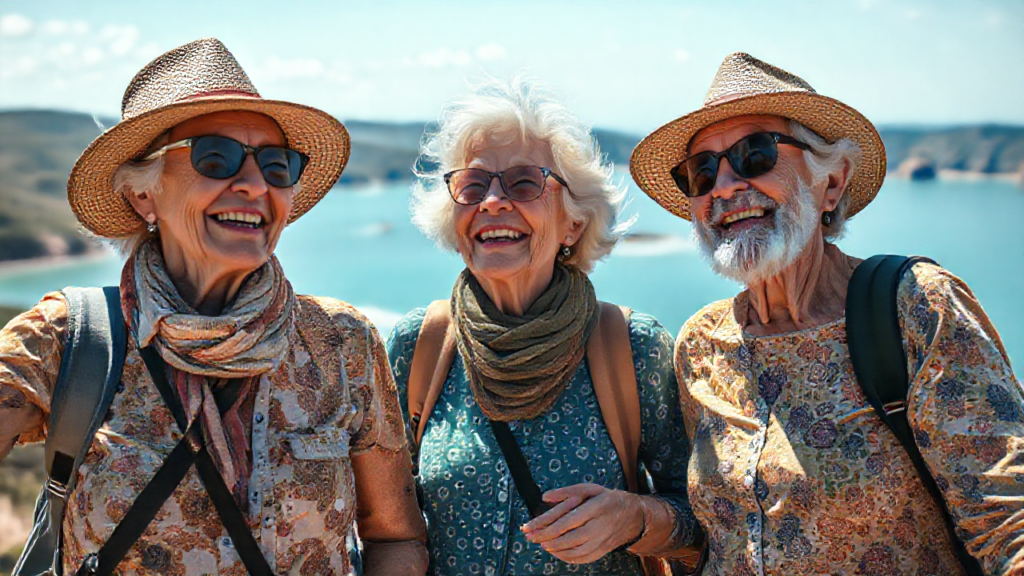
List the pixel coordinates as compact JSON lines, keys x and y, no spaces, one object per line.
{"x":644,"y":527}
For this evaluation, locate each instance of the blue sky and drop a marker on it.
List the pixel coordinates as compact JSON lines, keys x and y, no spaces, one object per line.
{"x":625,"y":65}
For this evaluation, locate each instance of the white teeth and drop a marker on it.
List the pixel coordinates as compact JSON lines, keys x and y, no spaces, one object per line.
{"x":247,"y":217}
{"x":501,"y":233}
{"x":752,"y":213}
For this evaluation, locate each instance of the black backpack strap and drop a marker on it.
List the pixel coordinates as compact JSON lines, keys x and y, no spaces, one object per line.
{"x":223,"y":501}
{"x":191,"y":449}
{"x":519,"y":469}
{"x":90,"y":369}
{"x":880,"y":363}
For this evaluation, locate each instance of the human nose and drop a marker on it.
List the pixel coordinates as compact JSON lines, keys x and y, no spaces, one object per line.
{"x":250,"y":181}
{"x":727,"y":182}
{"x":495,"y":199}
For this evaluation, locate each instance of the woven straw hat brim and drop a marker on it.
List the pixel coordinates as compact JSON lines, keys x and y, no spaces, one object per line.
{"x":106,"y":212}
{"x":665,"y":148}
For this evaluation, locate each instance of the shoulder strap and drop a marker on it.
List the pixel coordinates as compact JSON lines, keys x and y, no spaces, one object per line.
{"x":610,"y":356}
{"x":432,"y":358}
{"x":880,"y":364}
{"x":90,"y":369}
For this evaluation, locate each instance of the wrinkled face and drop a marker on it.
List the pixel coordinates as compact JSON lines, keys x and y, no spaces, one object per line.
{"x":751,"y":229}
{"x":500,"y":239}
{"x":226,"y":225}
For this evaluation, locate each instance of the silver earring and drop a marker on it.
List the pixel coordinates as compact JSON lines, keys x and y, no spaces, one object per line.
{"x":151,"y":227}
{"x":826,"y":218}
{"x":565,"y":252}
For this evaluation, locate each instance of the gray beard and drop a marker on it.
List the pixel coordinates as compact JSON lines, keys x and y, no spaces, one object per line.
{"x":756,"y":254}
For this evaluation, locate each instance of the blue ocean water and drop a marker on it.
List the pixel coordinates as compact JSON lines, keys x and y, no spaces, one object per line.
{"x":358,"y":245}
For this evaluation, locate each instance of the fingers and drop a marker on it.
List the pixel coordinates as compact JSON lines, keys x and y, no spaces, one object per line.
{"x":571,"y":520}
{"x":545,"y":519}
{"x":581,"y":546}
{"x":584,"y":491}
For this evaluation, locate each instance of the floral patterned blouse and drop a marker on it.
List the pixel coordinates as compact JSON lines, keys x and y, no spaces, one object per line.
{"x":472,"y":508}
{"x":333,"y":398}
{"x":793,"y":473}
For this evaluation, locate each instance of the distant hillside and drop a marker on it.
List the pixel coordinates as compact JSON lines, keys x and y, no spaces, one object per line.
{"x":38,"y":149}
{"x":989,"y":149}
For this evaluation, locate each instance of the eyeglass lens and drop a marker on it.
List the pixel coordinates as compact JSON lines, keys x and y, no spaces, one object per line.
{"x":221,"y":157}
{"x":520,"y":184}
{"x":749,"y":157}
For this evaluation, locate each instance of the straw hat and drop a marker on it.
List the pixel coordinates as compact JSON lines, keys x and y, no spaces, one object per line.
{"x":746,"y":85}
{"x":195,"y":79}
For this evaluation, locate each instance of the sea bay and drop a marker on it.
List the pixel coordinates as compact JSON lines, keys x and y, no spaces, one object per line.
{"x":358,"y":245}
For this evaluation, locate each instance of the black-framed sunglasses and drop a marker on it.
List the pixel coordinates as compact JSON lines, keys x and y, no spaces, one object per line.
{"x":221,"y":157}
{"x":749,"y":157}
{"x":520,"y":183}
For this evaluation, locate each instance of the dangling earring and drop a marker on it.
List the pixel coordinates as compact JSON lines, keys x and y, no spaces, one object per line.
{"x":826,"y":218}
{"x":151,"y":226}
{"x":564,"y":253}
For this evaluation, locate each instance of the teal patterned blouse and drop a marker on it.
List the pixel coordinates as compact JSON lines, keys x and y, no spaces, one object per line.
{"x":472,"y":508}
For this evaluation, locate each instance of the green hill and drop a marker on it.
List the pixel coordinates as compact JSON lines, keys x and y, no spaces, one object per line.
{"x":39,"y":147}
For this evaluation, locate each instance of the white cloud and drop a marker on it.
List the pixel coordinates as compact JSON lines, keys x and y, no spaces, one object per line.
{"x":443,"y":58}
{"x":15,"y":25}
{"x":681,"y":55}
{"x":59,"y":28}
{"x":492,"y":51}
{"x":120,"y":39}
{"x":92,"y":55}
{"x":20,"y":66}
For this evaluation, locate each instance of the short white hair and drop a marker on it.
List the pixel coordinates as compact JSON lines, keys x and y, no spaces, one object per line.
{"x":139,"y":178}
{"x":500,"y":112}
{"x":823,"y":159}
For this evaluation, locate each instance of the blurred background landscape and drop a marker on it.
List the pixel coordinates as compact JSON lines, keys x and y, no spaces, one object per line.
{"x":940,"y":79}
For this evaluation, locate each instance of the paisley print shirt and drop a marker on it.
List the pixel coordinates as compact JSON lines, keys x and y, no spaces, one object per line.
{"x":793,"y":473}
{"x":331,"y":399}
{"x":472,"y":508}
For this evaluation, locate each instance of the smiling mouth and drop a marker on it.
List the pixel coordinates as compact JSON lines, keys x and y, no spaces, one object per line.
{"x":746,"y":217}
{"x":498,"y":236}
{"x":245,"y":220}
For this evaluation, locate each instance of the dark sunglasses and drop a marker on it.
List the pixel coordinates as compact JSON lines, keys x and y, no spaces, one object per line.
{"x":520,"y":183}
{"x":221,"y":157}
{"x":749,"y":157}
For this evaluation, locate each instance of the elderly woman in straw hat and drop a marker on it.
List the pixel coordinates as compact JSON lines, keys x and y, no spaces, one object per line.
{"x":525,"y":393}
{"x":285,"y":402}
{"x":803,"y":463}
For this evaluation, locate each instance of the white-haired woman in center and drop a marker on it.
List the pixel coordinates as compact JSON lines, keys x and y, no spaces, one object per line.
{"x":520,"y":191}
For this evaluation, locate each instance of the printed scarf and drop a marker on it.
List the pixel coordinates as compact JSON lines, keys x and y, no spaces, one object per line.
{"x":248,"y":339}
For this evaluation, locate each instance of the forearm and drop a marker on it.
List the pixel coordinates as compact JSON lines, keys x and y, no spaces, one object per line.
{"x":16,"y":417}
{"x":390,"y":524}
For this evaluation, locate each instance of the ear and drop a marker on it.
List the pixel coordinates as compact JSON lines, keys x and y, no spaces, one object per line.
{"x":836,"y":185}
{"x":143,"y":203}
{"x":574,"y":233}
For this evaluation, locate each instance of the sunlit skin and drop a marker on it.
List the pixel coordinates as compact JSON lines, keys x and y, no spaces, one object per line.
{"x":812,"y":290}
{"x":514,"y":273}
{"x":206,"y":259}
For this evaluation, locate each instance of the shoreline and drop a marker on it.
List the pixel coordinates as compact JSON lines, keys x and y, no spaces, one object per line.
{"x":14,"y":267}
{"x":948,"y":175}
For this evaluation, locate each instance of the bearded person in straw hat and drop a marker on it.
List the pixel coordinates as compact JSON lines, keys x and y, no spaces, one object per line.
{"x":249,"y":429}
{"x":847,"y":417}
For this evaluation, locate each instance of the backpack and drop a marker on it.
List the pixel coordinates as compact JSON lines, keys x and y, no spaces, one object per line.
{"x":610,"y":357}
{"x":880,"y":364}
{"x":90,"y":371}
